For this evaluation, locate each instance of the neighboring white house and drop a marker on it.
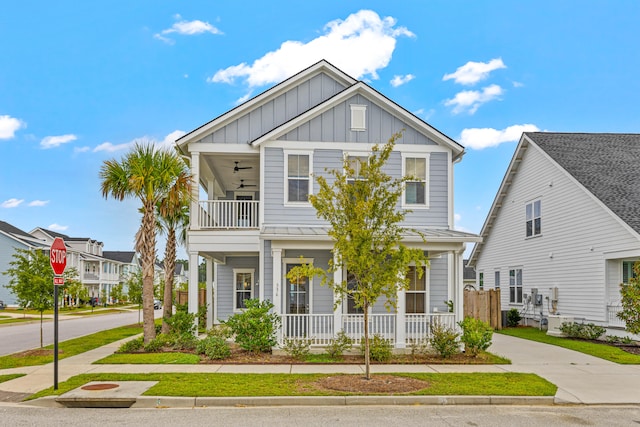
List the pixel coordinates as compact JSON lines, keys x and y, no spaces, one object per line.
{"x":256,"y":165}
{"x":11,"y":239}
{"x":564,"y":229}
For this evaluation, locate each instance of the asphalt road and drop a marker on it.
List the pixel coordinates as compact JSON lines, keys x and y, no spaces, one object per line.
{"x":15,"y":337}
{"x":406,"y":416}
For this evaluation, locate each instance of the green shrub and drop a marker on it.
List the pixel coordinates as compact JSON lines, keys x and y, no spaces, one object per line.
{"x":214,"y":347}
{"x":513,"y":318}
{"x":255,"y":328}
{"x":222,"y":331}
{"x":586,"y":331}
{"x":338,"y":345}
{"x":379,"y":348}
{"x":156,"y":344}
{"x":182,"y":323}
{"x":202,"y":316}
{"x":184,"y":341}
{"x":298,"y":348}
{"x":443,"y":339}
{"x":132,"y":346}
{"x":476,"y":335}
{"x":419,"y":347}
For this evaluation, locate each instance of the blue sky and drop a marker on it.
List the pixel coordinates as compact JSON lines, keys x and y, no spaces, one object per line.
{"x":81,"y":81}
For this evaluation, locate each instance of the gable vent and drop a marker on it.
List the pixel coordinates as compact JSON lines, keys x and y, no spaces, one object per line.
{"x":358,"y":117}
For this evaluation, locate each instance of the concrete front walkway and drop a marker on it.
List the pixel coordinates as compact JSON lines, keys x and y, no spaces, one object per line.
{"x":581,"y":379}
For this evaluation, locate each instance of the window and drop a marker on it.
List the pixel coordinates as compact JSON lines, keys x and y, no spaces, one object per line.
{"x":243,"y":287}
{"x":627,"y":271}
{"x":358,"y":117}
{"x":297,"y":293}
{"x":496,"y":282}
{"x":298,"y":182}
{"x":352,"y":287}
{"x":415,"y":192}
{"x":515,"y":286}
{"x":481,"y":280}
{"x":415,"y":296}
{"x":533,"y":219}
{"x":355,"y":163}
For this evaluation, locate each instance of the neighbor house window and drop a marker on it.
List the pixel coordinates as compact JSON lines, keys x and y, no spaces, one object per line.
{"x":298,"y":177}
{"x":496,"y":281}
{"x":243,"y":287}
{"x":481,"y":280}
{"x":515,"y":286}
{"x":415,"y":192}
{"x":533,"y":213}
{"x":415,"y":296}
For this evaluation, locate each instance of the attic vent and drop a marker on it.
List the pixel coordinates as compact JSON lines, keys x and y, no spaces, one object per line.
{"x":358,"y":117}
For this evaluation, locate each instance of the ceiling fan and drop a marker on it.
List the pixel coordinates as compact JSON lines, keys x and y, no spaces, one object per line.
{"x":238,"y":168}
{"x":243,"y":185}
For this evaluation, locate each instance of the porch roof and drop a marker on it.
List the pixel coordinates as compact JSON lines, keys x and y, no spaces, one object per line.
{"x":320,"y":233}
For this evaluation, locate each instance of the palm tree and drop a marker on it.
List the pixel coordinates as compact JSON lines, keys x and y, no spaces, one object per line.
{"x":147,"y":173}
{"x":173,"y":218}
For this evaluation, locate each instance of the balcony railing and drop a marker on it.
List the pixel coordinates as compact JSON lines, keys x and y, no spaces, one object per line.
{"x":612,"y":314}
{"x":228,"y":214}
{"x":319,"y":328}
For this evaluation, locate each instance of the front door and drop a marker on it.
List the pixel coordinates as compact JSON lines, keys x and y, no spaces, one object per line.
{"x":244,"y":210}
{"x":297,"y":302}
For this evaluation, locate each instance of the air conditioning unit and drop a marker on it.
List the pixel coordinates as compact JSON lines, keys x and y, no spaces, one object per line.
{"x":555,"y":322}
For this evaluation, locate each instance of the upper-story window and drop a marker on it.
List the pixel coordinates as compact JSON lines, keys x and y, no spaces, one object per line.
{"x":415,"y":190}
{"x":534,"y":218}
{"x":358,"y":117}
{"x":298,"y":177}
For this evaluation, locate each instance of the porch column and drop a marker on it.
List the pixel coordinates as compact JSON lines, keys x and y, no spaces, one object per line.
{"x":195,"y":193}
{"x":337,"y":311}
{"x":209,"y":288}
{"x":401,"y":319}
{"x":458,"y":302}
{"x":214,"y":292}
{"x":276,"y":254}
{"x":193,"y":285}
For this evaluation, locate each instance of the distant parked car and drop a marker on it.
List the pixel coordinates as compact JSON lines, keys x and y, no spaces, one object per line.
{"x":157,"y":304}
{"x":2,"y":306}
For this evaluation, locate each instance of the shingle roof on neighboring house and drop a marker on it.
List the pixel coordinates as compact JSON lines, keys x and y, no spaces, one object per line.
{"x":468,"y":273}
{"x":18,"y":234}
{"x":606,"y":164}
{"x":120,"y":256}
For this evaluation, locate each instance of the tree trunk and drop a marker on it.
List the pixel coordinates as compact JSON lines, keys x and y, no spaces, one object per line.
{"x":147,"y":249}
{"x":41,"y":337}
{"x":367,"y":359}
{"x":169,"y":271}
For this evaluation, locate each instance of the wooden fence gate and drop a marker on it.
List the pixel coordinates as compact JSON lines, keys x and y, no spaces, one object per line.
{"x":484,"y":305}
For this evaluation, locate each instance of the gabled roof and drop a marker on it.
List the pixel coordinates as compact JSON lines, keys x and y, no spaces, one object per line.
{"x":604,"y":164}
{"x":322,"y":66}
{"x":120,"y":256}
{"x":384,"y":102}
{"x":21,"y":236}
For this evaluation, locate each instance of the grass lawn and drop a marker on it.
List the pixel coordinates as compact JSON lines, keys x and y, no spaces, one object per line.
{"x":173,"y":358}
{"x":8,"y":319}
{"x":68,"y":348}
{"x":229,"y":385}
{"x":10,"y":377}
{"x":603,"y":351}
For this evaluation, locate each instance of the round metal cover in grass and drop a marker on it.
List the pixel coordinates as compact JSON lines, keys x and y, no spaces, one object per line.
{"x":94,"y":387}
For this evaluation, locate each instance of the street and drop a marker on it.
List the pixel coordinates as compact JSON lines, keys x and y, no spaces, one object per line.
{"x":25,"y":336}
{"x":516,"y":416}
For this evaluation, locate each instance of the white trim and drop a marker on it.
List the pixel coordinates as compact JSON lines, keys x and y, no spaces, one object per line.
{"x":287,"y":153}
{"x":356,"y":146}
{"x":427,"y":182}
{"x":236,"y":271}
{"x":285,"y":292}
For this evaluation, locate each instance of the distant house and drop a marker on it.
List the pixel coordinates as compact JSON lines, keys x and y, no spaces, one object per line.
{"x":564,"y":229}
{"x":11,"y":239}
{"x":469,"y":276}
{"x":256,"y":164}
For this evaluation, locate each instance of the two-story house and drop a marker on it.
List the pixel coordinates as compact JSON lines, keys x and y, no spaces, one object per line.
{"x":251,"y":219}
{"x":564,"y":229}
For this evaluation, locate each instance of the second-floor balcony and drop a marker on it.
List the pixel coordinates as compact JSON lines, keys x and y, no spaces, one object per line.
{"x":228,"y":214}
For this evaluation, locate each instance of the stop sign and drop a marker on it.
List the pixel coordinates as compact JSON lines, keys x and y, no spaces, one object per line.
{"x":58,"y":256}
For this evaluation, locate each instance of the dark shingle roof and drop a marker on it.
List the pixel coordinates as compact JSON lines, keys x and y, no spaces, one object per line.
{"x":120,"y":256}
{"x":468,"y":273}
{"x":18,"y":234}
{"x":606,"y":164}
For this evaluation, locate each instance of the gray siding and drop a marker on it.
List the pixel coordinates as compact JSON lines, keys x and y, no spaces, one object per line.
{"x":7,"y":250}
{"x":225,"y":283}
{"x":277,"y":111}
{"x":335,"y":125}
{"x":438,"y":284}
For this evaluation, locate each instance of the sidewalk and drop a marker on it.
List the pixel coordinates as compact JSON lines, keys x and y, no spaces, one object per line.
{"x":581,"y":379}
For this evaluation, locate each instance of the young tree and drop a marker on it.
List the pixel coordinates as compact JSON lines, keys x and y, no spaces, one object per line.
{"x":361,"y":205}
{"x":32,"y":281}
{"x":630,"y":294}
{"x":147,"y":173}
{"x":134,"y":290}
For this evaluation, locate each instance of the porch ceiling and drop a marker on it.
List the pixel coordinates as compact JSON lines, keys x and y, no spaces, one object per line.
{"x":221,"y":168}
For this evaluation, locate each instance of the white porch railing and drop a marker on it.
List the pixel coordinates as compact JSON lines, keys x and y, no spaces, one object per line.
{"x":320,"y":328}
{"x":612,"y":316}
{"x":228,"y":214}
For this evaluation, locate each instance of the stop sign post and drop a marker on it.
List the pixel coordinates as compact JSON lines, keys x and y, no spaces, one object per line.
{"x":58,"y":260}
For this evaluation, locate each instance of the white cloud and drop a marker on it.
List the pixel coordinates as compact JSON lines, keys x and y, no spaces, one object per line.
{"x":12,"y":203}
{"x":110,"y":148}
{"x":360,"y":45}
{"x":472,"y":72}
{"x":56,"y":141}
{"x":187,"y":28}
{"x":169,"y":141}
{"x":400,"y":80}
{"x":57,"y":227}
{"x":426,"y":115}
{"x":480,"y":138}
{"x":81,"y":149}
{"x":39,"y":203}
{"x":518,"y":84}
{"x":471,"y":100}
{"x":9,"y":125}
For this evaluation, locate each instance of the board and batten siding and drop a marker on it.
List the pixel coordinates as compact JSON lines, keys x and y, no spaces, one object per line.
{"x":576,"y":232}
{"x":277,"y":111}
{"x":438,"y":283}
{"x":225,"y":283}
